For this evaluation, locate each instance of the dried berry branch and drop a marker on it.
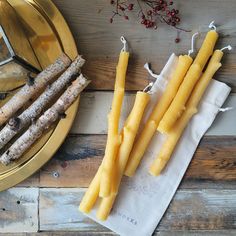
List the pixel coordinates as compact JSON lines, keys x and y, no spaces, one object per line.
{"x":150,"y":12}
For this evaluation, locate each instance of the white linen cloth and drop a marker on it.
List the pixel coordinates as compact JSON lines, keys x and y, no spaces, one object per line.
{"x":143,"y":199}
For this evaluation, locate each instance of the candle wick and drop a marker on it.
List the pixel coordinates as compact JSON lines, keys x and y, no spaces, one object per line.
{"x":192,"y":44}
{"x":212,"y":25}
{"x":146,"y":66}
{"x":125,"y":47}
{"x":148,"y":88}
{"x":229,"y":47}
{"x":226,"y":109}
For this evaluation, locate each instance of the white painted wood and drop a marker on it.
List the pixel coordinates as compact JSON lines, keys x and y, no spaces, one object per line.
{"x":58,"y":210}
{"x":189,"y":210}
{"x":224,"y":123}
{"x":94,"y":107}
{"x":19,"y":210}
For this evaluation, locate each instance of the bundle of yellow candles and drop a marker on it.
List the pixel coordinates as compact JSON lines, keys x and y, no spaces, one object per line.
{"x":177,"y":105}
{"x":170,"y":115}
{"x":108,"y":177}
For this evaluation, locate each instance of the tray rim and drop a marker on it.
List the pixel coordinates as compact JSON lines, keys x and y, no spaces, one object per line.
{"x":57,"y":137}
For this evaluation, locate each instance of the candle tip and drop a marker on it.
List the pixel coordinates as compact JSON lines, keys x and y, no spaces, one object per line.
{"x":212,"y":25}
{"x":229,"y":47}
{"x":125,"y":47}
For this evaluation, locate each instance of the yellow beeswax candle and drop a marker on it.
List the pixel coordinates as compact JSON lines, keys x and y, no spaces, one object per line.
{"x":114,"y":139}
{"x":91,"y":195}
{"x":178,"y":104}
{"x":191,"y":108}
{"x":206,"y":49}
{"x":128,"y":133}
{"x":159,"y":110}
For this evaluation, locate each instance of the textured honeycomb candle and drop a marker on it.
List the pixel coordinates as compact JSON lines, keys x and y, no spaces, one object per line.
{"x":191,"y":108}
{"x":206,"y":49}
{"x":178,"y":104}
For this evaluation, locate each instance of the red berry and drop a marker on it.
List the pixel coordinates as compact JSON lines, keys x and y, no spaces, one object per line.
{"x":126,"y":17}
{"x":149,"y":12}
{"x":130,"y":7}
{"x":171,"y":3}
{"x":177,"y":19}
{"x":177,"y":40}
{"x":176,"y":11}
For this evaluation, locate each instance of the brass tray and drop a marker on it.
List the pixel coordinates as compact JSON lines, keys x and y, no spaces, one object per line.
{"x":49,"y":35}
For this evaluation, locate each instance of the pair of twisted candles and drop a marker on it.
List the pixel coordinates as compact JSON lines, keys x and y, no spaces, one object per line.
{"x":108,"y":177}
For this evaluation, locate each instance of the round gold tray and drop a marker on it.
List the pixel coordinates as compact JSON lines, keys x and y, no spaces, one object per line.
{"x":49,"y":36}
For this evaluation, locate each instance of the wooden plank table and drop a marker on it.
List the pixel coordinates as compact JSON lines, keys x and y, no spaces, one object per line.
{"x":205,"y":203}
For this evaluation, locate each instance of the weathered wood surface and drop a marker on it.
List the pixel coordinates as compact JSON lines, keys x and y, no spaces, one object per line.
{"x":98,"y":40}
{"x":77,"y":160}
{"x":205,"y":202}
{"x":189,"y":210}
{"x":19,"y":210}
{"x":162,"y":233}
{"x":94,"y":107}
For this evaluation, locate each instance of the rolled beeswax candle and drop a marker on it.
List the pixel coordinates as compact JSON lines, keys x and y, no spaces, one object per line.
{"x":178,"y":104}
{"x":159,"y":110}
{"x":191,"y":108}
{"x":128,"y":133}
{"x":91,"y":195}
{"x":114,"y":139}
{"x":206,"y":49}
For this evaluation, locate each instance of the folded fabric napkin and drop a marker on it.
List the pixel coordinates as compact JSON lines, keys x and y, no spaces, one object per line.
{"x":143,"y":199}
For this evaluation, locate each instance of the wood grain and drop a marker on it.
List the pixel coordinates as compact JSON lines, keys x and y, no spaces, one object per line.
{"x":189,"y":210}
{"x":77,"y":160}
{"x":109,"y":233}
{"x":98,"y":40}
{"x":205,"y":203}
{"x":33,"y":181}
{"x":19,"y":210}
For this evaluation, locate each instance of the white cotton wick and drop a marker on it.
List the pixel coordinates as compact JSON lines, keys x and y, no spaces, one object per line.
{"x":192,"y":44}
{"x":212,"y":25}
{"x":229,"y":47}
{"x":146,"y":66}
{"x":148,"y":88}
{"x":125,"y":47}
{"x":226,"y":109}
